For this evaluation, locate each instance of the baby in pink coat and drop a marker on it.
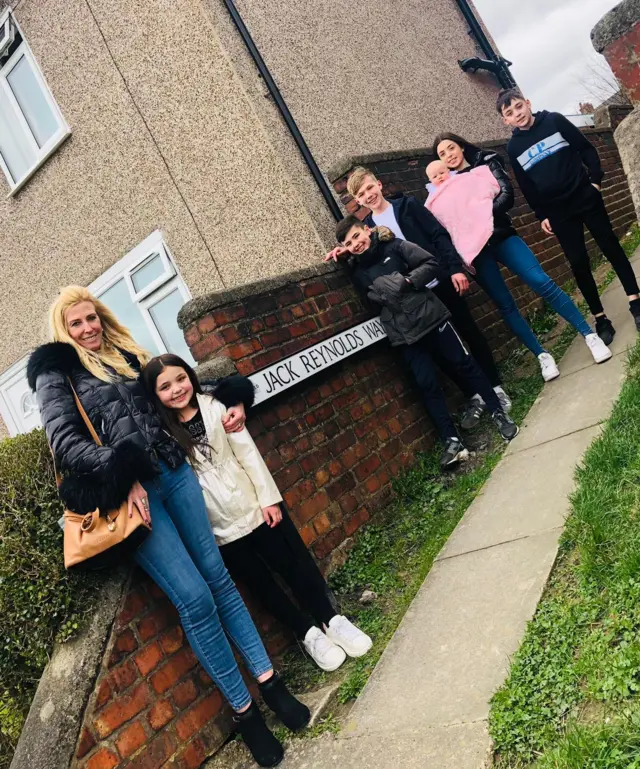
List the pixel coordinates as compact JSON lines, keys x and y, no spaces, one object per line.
{"x":463,"y":204}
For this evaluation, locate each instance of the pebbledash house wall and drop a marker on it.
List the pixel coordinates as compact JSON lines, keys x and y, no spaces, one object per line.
{"x":334,"y":442}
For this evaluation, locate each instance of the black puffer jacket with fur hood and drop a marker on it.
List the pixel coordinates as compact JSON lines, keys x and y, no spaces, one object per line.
{"x":130,"y":429}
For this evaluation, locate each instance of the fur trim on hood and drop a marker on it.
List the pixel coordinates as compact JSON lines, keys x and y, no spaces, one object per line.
{"x":54,"y":356}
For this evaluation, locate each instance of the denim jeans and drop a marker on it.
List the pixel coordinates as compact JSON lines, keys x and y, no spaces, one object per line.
{"x":518,"y":257}
{"x":182,"y":557}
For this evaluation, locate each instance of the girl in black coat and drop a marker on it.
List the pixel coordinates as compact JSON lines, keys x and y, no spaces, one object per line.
{"x":507,"y":248}
{"x":141,"y":464}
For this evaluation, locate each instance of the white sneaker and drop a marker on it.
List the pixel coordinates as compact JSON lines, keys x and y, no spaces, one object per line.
{"x":322,"y":650}
{"x":548,"y":367}
{"x":598,"y":348}
{"x":505,"y":400}
{"x":346,"y":635}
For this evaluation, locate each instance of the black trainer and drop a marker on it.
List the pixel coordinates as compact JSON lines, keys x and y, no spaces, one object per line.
{"x":507,"y":428}
{"x":454,"y":452}
{"x":634,"y":309}
{"x":605,"y":329}
{"x":265,"y":748}
{"x":293,"y":714}
{"x":472,"y":414}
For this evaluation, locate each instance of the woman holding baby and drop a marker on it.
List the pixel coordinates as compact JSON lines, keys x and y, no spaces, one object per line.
{"x":470,"y":194}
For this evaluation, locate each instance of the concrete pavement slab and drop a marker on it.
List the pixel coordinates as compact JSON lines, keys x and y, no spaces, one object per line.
{"x":526,"y":494}
{"x":452,"y":649}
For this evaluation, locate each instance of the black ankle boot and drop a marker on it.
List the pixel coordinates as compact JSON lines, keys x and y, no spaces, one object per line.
{"x":264,"y":747}
{"x":293,"y":714}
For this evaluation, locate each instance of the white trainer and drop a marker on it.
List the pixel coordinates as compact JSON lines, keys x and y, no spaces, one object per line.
{"x":548,"y":367}
{"x":505,"y":400}
{"x":322,"y":650}
{"x":598,"y":348}
{"x":346,"y":635}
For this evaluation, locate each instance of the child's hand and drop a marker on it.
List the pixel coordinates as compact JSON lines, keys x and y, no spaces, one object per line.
{"x":460,"y":283}
{"x":546,"y":226}
{"x":597,"y":186}
{"x":272,"y":515}
{"x":334,"y":255}
{"x":234,"y":420}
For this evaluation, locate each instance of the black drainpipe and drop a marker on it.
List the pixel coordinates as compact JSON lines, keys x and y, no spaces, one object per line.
{"x":496,"y":64}
{"x":284,"y":110}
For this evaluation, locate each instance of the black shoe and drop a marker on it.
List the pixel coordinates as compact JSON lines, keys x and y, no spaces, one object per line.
{"x":454,"y":452}
{"x":472,"y":414}
{"x":507,"y":428}
{"x":605,"y":329}
{"x":265,"y":748}
{"x":293,"y":714}
{"x":634,"y":309}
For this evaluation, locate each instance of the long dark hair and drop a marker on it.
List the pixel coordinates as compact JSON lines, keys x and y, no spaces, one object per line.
{"x":468,"y":150}
{"x":170,"y":417}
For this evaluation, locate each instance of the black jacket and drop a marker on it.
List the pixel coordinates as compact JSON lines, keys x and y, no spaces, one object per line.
{"x":420,"y":226}
{"x":555,"y":165}
{"x":130,"y":429}
{"x":408,"y":311}
{"x":502,"y":227}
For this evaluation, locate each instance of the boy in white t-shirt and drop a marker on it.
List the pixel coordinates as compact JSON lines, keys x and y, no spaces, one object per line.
{"x":409,"y":220}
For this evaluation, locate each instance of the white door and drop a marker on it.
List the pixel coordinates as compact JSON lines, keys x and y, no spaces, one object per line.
{"x":18,"y":404}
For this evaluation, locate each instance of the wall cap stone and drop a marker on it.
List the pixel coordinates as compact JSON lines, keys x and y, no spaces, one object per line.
{"x":201,"y":305}
{"x":216,"y":368}
{"x":50,"y":733}
{"x":614,"y":24}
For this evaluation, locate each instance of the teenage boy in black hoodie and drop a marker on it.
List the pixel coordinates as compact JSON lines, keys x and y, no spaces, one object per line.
{"x":409,"y":220}
{"x":392,"y":276}
{"x":559,"y":172}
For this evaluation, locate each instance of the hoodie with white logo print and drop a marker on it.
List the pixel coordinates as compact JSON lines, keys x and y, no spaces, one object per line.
{"x":555,"y":165}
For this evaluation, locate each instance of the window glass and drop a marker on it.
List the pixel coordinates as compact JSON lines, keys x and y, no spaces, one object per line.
{"x":33,"y":103}
{"x":149,"y":271}
{"x":119,"y":301}
{"x":15,"y":147}
{"x":165,"y":317}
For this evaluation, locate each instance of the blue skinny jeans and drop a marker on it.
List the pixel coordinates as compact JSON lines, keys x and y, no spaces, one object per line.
{"x":182,"y":557}
{"x":518,"y":257}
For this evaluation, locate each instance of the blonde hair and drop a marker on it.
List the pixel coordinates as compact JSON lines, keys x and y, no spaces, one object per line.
{"x":356,"y":179}
{"x":115,"y":336}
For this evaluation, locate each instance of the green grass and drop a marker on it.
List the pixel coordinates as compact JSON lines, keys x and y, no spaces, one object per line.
{"x":572,"y":697}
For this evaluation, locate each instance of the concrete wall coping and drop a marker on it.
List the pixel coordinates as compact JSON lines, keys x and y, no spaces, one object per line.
{"x":50,"y":733}
{"x":201,"y":305}
{"x":615,"y":23}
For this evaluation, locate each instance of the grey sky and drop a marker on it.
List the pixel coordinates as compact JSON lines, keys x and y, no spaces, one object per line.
{"x":549,"y":43}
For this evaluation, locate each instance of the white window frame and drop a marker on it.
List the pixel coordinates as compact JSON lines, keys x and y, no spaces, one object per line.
{"x":61,"y":135}
{"x":7,"y":409}
{"x":155,"y":291}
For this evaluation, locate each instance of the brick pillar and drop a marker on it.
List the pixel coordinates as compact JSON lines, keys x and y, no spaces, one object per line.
{"x":617,"y":37}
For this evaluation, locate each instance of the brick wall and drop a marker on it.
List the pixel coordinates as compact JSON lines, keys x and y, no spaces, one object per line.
{"x":334,"y":442}
{"x":622,"y":55}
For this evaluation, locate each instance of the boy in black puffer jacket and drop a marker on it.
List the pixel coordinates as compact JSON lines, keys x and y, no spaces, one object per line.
{"x":392,"y":277}
{"x":559,"y":172}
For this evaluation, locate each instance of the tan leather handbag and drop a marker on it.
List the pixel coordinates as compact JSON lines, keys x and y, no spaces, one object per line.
{"x":95,"y":540}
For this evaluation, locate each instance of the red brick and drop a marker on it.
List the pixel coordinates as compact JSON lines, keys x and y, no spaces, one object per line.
{"x":372,"y":484}
{"x":172,"y":640}
{"x":341,"y":486}
{"x":195,"y":718}
{"x":226,"y":315}
{"x":328,"y":544}
{"x":125,"y":644}
{"x":193,"y":756}
{"x":230,"y":334}
{"x":312,"y":506}
{"x":149,"y":658}
{"x":307,"y":326}
{"x":287,"y":477}
{"x":287,"y":432}
{"x":157,"y":620}
{"x":353,"y":454}
{"x":160,"y":714}
{"x":321,"y":477}
{"x":192,"y":335}
{"x":273,"y":461}
{"x":260,"y":305}
{"x":275,"y":337}
{"x":104,"y":693}
{"x":131,"y":739}
{"x":122,"y":710}
{"x":390,"y":450}
{"x":123,"y":676}
{"x":308,"y":534}
{"x":175,"y":669}
{"x":348,"y":503}
{"x":184,"y":693}
{"x":315,"y":459}
{"x":321,"y":524}
{"x":366,"y":467}
{"x":207,"y":346}
{"x":319,"y":415}
{"x":264,"y":359}
{"x":206,"y":325}
{"x":315,"y":288}
{"x":86,"y":743}
{"x":103,"y":759}
{"x":241,"y":350}
{"x":135,"y":603}
{"x":156,"y":754}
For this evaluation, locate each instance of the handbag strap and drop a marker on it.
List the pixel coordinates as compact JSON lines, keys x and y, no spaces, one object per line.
{"x":87,"y":422}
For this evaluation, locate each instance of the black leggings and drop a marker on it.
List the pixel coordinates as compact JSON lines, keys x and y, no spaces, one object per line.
{"x":468,"y":329}
{"x":251,"y":559}
{"x":570,"y":233}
